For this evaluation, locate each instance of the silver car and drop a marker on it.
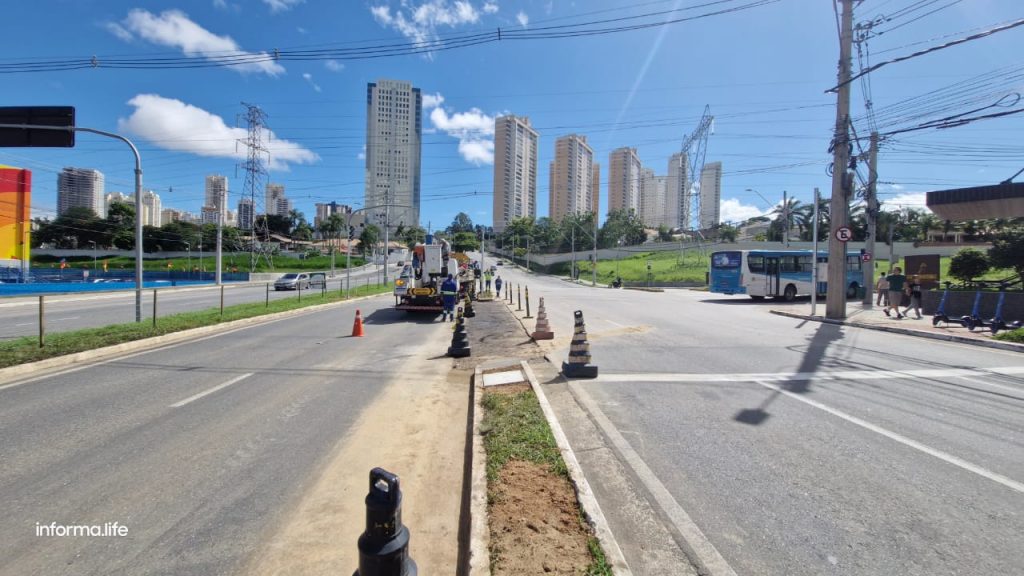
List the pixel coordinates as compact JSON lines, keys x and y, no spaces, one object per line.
{"x":292,"y":281}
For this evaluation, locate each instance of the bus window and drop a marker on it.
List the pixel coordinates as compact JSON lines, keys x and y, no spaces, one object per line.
{"x":725,"y":260}
{"x":804,"y":263}
{"x":788,"y":264}
{"x":852,"y":263}
{"x":755,"y":263}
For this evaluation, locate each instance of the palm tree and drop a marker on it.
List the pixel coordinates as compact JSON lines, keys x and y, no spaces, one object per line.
{"x":926,"y":223}
{"x":784,"y":214}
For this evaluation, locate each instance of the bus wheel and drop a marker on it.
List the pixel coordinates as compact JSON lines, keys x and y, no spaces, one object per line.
{"x":851,"y":291}
{"x":752,"y":297}
{"x":790,"y":294}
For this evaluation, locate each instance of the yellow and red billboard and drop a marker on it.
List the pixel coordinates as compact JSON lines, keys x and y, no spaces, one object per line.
{"x":15,"y":213}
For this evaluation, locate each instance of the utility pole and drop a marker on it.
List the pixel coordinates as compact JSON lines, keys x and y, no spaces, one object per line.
{"x":872,"y":214}
{"x":572,"y":244}
{"x":221,"y":202}
{"x":835,"y":302}
{"x":593,"y":271}
{"x":814,"y":251}
{"x":785,"y":219}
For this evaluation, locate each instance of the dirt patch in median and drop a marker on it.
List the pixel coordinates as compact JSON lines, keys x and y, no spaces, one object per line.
{"x":535,"y":523}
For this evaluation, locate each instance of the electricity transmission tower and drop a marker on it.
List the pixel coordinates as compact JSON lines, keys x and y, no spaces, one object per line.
{"x":694,"y":149}
{"x":255,"y":120}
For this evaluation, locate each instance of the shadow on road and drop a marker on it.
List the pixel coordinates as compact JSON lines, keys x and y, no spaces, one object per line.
{"x":817,"y":347}
{"x":392,"y":316}
{"x":747,"y":301}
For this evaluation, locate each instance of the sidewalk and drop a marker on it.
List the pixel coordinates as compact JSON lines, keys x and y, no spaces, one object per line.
{"x":872,"y":318}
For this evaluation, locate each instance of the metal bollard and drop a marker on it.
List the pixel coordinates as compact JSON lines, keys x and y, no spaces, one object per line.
{"x":519,"y":298}
{"x":528,"y":303}
{"x":221,"y":300}
{"x":384,"y":546}
{"x":42,"y":323}
{"x":154,"y":307}
{"x":267,"y":305}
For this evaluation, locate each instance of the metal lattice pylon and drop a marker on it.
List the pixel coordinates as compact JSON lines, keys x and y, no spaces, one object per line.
{"x":255,"y":119}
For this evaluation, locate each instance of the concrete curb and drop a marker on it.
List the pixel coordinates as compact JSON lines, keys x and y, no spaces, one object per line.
{"x":479,"y":533}
{"x":33,"y":368}
{"x":908,"y":332}
{"x":588,"y":502}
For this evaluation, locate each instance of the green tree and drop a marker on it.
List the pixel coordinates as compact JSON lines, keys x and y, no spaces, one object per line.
{"x":968,"y":264}
{"x":369,"y":238}
{"x":1008,"y":251}
{"x":621,"y":225}
{"x":413,"y":235}
{"x":464,"y":242}
{"x":664,"y":233}
{"x":461,"y":223}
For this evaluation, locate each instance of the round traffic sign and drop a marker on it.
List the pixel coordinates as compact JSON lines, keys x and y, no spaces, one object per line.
{"x":844,"y":234}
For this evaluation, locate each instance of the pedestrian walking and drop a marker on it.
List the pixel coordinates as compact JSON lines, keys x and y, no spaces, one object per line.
{"x":449,"y":294}
{"x":914,"y":289}
{"x":882,"y":287}
{"x":487,"y":279}
{"x":497,"y":286}
{"x":896,"y":282}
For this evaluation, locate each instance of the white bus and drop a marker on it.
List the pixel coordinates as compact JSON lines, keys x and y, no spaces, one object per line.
{"x":776,"y":273}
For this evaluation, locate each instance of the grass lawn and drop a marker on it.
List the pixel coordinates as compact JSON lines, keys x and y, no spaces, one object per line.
{"x":22,"y":350}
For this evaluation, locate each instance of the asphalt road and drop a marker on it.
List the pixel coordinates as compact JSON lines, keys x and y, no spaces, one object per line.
{"x":199,"y":449}
{"x":768,"y":445}
{"x":89,"y":310}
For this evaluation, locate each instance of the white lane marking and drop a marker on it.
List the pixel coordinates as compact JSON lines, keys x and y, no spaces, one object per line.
{"x":25,"y":324}
{"x":211,"y":390}
{"x":949,"y":458}
{"x":805,"y":376}
{"x":701,"y":549}
{"x":992,"y":384}
{"x":66,"y":318}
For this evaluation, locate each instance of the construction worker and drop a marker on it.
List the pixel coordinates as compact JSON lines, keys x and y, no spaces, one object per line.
{"x":487,"y":279}
{"x":449,"y":295}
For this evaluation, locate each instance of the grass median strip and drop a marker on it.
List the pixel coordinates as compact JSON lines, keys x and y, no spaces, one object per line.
{"x":27,"y":349}
{"x":535,"y":521}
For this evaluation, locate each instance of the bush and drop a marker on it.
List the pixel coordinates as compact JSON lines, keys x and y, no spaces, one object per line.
{"x":1012,"y":336}
{"x":968,"y":264}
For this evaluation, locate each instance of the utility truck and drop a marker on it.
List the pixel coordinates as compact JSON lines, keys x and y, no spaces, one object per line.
{"x":418,"y":287}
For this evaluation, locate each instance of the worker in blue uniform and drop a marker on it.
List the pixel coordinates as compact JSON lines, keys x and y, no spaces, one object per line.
{"x":449,"y":295}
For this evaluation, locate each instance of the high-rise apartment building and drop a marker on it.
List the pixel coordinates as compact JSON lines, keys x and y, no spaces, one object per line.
{"x":168,"y":215}
{"x":677,"y":192}
{"x":515,"y":170}
{"x":652,"y":199}
{"x":624,"y":180}
{"x":710,"y":195}
{"x":150,"y":208}
{"x":274,"y":200}
{"x":115,"y":198}
{"x":595,"y":186}
{"x":80,"y":187}
{"x":326,"y":210}
{"x":217,"y":191}
{"x":246,"y":214}
{"x":573,"y":189}
{"x":394,"y":118}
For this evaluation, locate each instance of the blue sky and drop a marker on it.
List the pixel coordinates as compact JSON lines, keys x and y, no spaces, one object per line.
{"x":763,"y":71}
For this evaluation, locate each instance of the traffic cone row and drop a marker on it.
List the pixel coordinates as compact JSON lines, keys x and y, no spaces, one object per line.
{"x":469,"y":313}
{"x":460,"y":340}
{"x":578,"y":364}
{"x":543,"y":330}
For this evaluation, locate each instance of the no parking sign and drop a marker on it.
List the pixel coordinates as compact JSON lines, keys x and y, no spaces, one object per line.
{"x":844,"y":234}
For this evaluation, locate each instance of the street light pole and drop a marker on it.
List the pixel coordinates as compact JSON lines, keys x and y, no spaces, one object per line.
{"x":138,"y":197}
{"x":188,"y":258}
{"x":93,"y":242}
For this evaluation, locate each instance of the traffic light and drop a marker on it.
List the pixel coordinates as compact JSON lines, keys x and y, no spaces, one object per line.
{"x":351,"y":232}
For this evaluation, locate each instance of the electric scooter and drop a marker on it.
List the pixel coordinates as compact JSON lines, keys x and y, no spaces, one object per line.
{"x":940,"y":312}
{"x":996,"y":323}
{"x":974,"y":320}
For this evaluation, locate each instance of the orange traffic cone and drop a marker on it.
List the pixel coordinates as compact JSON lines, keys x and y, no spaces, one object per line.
{"x":357,"y":326}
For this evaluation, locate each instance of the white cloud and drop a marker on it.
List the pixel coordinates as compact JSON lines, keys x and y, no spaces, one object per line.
{"x":522,"y":18}
{"x":301,"y":30}
{"x":904,"y":200}
{"x":432,"y":100}
{"x":362,"y":154}
{"x":174,"y":29}
{"x":221,"y":4}
{"x":733,"y":210}
{"x":474,"y":129}
{"x":174,"y":125}
{"x":420,"y":22}
{"x":334,"y":65}
{"x":282,"y":5}
{"x":309,"y":79}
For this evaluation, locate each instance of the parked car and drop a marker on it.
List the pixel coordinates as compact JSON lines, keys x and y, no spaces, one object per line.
{"x":293,"y":281}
